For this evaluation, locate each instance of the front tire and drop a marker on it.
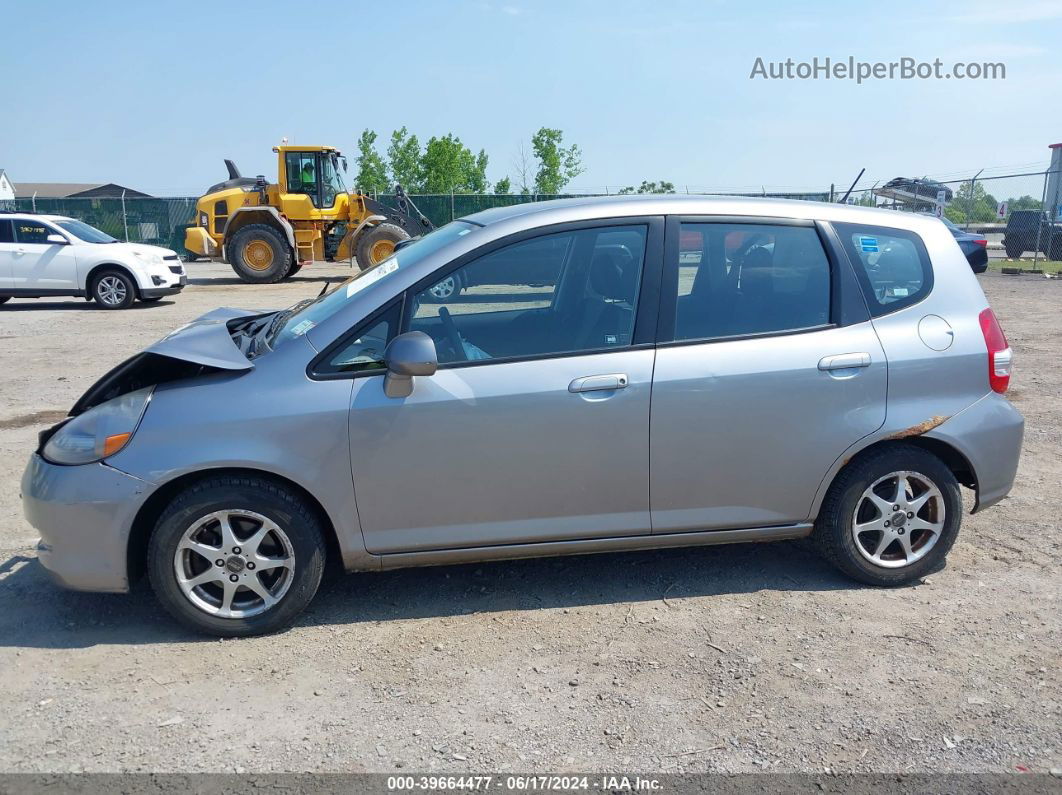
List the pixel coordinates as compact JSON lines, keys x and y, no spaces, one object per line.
{"x":113,"y":289}
{"x":891,"y":516}
{"x":259,"y":254}
{"x":377,"y":243}
{"x":236,"y":556}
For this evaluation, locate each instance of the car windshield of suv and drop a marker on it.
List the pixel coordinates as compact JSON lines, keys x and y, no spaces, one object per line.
{"x":83,"y":231}
{"x":302,"y":317}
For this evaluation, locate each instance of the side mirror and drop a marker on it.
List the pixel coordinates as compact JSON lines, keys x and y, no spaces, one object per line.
{"x":407,"y":355}
{"x":57,"y":240}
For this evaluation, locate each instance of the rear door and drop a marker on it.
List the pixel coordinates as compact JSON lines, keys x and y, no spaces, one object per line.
{"x":768,"y":369}
{"x":39,"y":265}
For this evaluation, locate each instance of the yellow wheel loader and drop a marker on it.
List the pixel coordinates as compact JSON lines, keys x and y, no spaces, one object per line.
{"x":268,"y":231}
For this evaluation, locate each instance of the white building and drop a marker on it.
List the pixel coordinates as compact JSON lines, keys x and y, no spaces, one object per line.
{"x":7,"y":190}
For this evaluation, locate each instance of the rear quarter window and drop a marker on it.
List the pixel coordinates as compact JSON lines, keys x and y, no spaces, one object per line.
{"x":892,"y":265}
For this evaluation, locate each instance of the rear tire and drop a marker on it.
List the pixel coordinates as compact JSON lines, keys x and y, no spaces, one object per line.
{"x":377,"y":243}
{"x":259,"y":254}
{"x":113,"y":289}
{"x":894,"y":549}
{"x":182,"y":545}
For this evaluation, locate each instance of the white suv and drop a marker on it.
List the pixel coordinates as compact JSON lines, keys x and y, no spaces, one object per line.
{"x":51,"y":255}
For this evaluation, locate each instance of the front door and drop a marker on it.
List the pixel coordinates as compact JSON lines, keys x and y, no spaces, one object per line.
{"x":37,"y":264}
{"x":536,"y":426}
{"x":763,"y":385}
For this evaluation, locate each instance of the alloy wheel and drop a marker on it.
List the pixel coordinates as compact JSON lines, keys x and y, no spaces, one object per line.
{"x":898,"y":519}
{"x":444,"y":289}
{"x":112,"y":290}
{"x":234,"y":563}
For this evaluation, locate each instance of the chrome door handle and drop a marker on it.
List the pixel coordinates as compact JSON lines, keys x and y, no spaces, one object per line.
{"x":20,"y":250}
{"x":844,"y":361}
{"x":596,"y":383}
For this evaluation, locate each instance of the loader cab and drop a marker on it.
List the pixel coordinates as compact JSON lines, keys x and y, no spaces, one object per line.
{"x":310,"y":173}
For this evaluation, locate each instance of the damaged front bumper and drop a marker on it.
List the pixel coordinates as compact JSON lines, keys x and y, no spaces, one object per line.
{"x":84,"y":515}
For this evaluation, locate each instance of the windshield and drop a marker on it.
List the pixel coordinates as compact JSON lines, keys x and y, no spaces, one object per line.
{"x":83,"y":231}
{"x":331,"y":182}
{"x":305,"y":317}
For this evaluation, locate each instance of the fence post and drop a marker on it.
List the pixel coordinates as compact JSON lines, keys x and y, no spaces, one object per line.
{"x":970,"y":207}
{"x":451,"y":203}
{"x":125,"y":221}
{"x":1040,"y":220}
{"x":33,"y":200}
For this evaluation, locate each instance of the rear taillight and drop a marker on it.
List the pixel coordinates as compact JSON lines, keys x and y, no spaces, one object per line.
{"x":999,"y":354}
{"x":981,"y":242}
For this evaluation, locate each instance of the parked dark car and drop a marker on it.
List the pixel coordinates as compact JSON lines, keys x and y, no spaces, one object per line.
{"x":1026,"y":228}
{"x":974,"y":246}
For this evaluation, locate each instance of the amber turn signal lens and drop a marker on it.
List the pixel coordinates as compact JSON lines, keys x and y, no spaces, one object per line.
{"x":112,"y":444}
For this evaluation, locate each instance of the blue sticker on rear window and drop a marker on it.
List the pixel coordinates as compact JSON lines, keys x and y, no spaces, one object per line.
{"x":868,"y":244}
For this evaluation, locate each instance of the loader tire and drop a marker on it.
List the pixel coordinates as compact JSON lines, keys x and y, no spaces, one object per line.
{"x":259,"y":254}
{"x":377,"y":243}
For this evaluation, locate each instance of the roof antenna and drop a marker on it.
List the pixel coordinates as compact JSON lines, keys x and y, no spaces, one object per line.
{"x":844,"y":200}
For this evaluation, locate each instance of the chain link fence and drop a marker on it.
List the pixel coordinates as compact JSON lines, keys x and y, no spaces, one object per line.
{"x":980,"y":204}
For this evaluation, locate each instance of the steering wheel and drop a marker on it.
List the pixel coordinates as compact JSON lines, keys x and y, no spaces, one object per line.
{"x":452,"y":335}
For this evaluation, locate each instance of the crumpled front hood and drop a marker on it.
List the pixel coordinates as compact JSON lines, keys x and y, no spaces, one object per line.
{"x":199,"y":347}
{"x":206,"y":340}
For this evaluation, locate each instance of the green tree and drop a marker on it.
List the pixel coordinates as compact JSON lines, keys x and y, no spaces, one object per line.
{"x":503,"y":187}
{"x":405,"y":158}
{"x":650,"y":187}
{"x":449,"y":165}
{"x":1025,"y":202}
{"x":372,"y":172}
{"x":557,"y":166}
{"x":972,"y":205}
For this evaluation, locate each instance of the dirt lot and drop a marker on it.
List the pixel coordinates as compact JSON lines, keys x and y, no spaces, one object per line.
{"x":744,"y":658}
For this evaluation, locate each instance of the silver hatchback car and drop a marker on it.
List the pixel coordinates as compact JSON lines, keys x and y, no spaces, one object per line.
{"x":567,"y":377}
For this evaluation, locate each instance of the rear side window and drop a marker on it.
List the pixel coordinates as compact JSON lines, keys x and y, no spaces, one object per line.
{"x":741,"y":279}
{"x":6,"y":234}
{"x":892,"y":265}
{"x":31,"y":231}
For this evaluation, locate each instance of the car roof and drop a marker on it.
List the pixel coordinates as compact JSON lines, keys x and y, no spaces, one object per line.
{"x":586,"y":208}
{"x":36,"y":215}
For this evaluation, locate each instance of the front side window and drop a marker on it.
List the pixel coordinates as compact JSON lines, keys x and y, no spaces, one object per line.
{"x":561,"y":293}
{"x":741,"y":279}
{"x":31,"y":231}
{"x":892,"y":265}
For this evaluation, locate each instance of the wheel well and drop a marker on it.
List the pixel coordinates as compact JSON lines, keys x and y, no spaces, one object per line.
{"x":151,"y":510}
{"x":952,"y":458}
{"x":110,"y":266}
{"x":244,"y":218}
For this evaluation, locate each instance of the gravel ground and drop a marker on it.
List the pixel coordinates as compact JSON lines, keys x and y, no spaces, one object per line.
{"x":741,"y":658}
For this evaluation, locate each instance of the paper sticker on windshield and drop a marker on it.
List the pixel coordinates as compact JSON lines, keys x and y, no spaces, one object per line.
{"x":303,"y":327}
{"x":868,"y":244}
{"x":372,"y":276}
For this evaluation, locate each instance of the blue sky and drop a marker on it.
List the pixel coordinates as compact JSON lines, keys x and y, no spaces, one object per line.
{"x":154,"y":95}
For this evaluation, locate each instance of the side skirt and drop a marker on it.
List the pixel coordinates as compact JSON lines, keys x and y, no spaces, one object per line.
{"x":588,"y":546}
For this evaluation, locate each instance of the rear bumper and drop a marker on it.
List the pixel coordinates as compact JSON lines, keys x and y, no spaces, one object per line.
{"x":83,"y":514}
{"x":989,"y":434}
